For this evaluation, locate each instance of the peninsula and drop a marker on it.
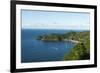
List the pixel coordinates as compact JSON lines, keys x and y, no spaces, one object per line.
{"x":80,"y":51}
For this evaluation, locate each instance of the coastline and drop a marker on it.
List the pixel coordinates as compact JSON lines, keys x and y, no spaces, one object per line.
{"x":64,"y":40}
{"x":74,"y":41}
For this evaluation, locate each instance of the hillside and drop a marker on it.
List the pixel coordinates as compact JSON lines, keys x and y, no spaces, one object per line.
{"x":80,"y":51}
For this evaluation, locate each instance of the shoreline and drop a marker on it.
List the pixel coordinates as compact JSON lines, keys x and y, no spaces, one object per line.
{"x":74,"y":41}
{"x":64,"y":40}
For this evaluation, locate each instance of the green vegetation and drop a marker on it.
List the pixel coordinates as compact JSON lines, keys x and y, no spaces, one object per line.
{"x":78,"y":36}
{"x":81,"y":51}
{"x":50,"y":37}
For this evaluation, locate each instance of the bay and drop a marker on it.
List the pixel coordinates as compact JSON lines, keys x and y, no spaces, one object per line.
{"x":33,"y":50}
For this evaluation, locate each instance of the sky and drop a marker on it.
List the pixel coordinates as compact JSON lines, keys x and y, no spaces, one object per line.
{"x":31,"y":19}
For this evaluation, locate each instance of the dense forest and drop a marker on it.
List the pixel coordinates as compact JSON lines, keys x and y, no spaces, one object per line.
{"x":81,"y":51}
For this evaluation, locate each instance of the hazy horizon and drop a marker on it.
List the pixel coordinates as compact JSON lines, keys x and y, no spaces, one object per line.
{"x":55,"y":20}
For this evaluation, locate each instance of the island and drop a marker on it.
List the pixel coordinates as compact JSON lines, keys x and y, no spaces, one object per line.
{"x":81,"y":51}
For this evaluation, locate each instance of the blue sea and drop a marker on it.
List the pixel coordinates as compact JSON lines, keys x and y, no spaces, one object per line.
{"x":33,"y":50}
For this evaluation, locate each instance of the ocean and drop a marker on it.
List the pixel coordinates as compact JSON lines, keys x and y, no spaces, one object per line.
{"x":33,"y":50}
